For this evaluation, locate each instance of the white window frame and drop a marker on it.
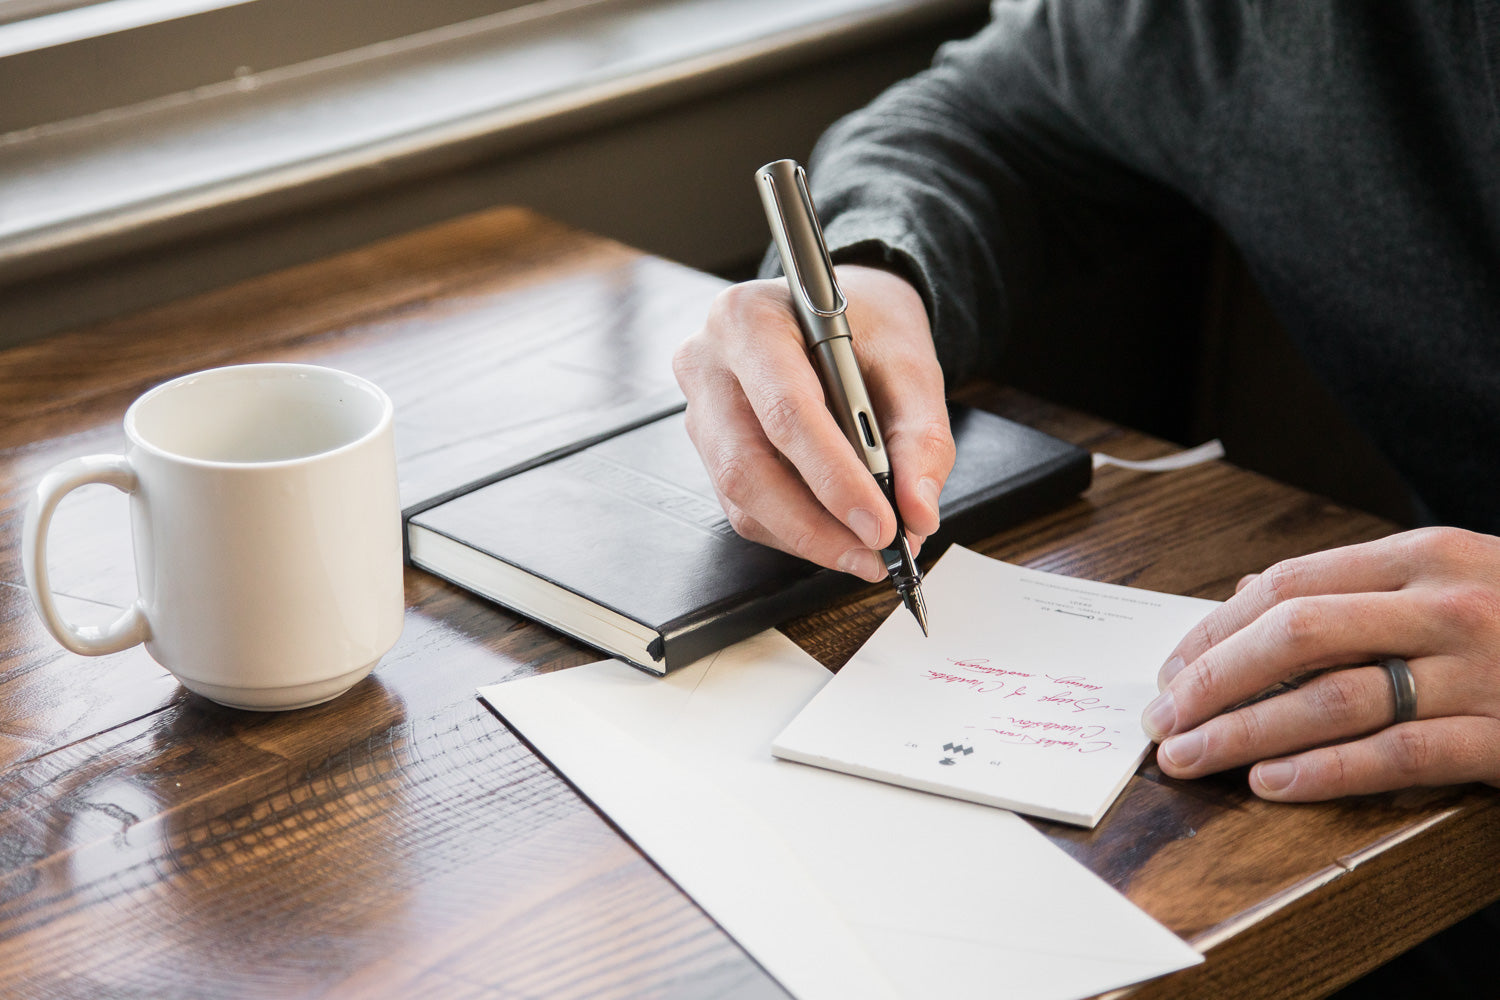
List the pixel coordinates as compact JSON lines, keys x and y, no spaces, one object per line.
{"x":275,"y":103}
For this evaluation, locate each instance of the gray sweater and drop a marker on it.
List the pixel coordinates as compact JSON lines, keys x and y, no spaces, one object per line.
{"x":1350,"y":150}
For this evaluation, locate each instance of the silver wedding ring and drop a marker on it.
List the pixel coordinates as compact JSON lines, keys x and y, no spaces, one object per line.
{"x":1403,"y":687}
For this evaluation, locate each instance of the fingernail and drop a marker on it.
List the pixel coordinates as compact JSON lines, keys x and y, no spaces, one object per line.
{"x":1277,"y":776}
{"x":929,"y":490}
{"x":1184,"y":750}
{"x":1170,"y":669}
{"x":1160,"y":716}
{"x":863,"y":563}
{"x":865,"y":525}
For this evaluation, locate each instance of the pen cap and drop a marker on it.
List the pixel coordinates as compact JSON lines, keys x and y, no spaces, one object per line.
{"x":819,"y":305}
{"x":799,"y":239}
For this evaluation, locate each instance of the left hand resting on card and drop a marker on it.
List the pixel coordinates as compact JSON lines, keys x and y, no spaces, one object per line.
{"x":1430,"y":596}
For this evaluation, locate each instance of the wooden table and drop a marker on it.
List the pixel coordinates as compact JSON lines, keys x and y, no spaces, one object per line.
{"x":400,"y":841}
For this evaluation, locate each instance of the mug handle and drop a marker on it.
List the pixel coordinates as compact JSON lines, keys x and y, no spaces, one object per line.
{"x":90,"y":640}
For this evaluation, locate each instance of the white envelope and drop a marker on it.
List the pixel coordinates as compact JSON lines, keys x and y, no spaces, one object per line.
{"x":838,"y":886}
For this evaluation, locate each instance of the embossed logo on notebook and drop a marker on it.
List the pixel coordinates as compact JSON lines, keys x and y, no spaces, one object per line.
{"x":649,"y":491}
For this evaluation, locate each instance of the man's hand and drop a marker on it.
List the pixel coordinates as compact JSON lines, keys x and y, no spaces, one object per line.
{"x":1431,"y":596}
{"x":782,"y":469}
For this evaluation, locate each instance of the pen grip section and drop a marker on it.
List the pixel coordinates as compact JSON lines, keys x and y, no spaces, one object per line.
{"x":899,"y":562}
{"x":887,"y":485}
{"x":850,"y":402}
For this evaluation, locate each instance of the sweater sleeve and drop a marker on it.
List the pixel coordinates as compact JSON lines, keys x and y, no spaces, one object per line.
{"x":1024,"y":159}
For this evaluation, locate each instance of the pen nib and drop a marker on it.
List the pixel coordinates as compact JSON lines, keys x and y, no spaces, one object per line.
{"x":908,"y":581}
{"x":916,"y":605}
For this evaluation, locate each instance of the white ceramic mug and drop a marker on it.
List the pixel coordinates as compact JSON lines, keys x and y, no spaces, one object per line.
{"x":267,"y":531}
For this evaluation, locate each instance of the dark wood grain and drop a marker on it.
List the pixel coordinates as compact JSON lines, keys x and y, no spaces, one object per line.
{"x":400,"y":841}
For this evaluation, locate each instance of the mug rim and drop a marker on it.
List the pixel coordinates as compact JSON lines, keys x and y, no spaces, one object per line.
{"x":381,"y":425}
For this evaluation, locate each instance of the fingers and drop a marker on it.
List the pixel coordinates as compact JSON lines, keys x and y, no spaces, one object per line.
{"x":1290,"y":639}
{"x":1445,"y":751}
{"x":1429,"y":596}
{"x":747,"y":369}
{"x":748,"y":475}
{"x":1425,"y":556}
{"x":787,"y":400}
{"x":1338,"y":705}
{"x":906,"y":386}
{"x":1372,"y":566}
{"x":923,"y":444}
{"x":781,"y":466}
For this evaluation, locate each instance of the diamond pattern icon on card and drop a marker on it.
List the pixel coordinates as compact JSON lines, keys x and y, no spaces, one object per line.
{"x":955,"y":751}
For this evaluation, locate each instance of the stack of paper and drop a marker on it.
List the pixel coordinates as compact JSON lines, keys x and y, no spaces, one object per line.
{"x":1027,"y":695}
{"x":839,"y":887}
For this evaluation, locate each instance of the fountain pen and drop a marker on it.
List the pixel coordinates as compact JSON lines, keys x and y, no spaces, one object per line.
{"x":820,"y":304}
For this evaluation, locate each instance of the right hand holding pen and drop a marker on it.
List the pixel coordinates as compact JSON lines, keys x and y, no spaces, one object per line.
{"x":782,"y":469}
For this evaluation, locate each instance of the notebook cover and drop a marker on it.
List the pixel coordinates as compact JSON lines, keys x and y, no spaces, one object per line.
{"x":631,"y":523}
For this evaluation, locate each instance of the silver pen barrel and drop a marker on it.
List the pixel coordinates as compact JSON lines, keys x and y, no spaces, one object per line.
{"x":820,"y":305}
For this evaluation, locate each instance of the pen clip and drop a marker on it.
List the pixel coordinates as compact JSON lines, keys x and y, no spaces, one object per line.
{"x":802,"y":242}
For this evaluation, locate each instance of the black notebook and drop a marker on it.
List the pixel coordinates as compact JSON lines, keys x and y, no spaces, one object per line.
{"x":620,"y":542}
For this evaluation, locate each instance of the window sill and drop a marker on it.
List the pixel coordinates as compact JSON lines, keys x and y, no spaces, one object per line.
{"x":81,"y":190}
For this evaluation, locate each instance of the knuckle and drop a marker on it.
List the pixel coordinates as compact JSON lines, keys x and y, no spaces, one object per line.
{"x":687,"y":359}
{"x":1334,"y":767}
{"x":930,"y":437}
{"x":1300,"y":622}
{"x":1282,"y":581}
{"x":732,"y":301}
{"x":1203,"y":635}
{"x":1469,"y":609}
{"x":1336,"y":696}
{"x":1247,"y":726}
{"x":1413,"y":751}
{"x":825,"y":483}
{"x":784,"y":414}
{"x":739,"y":312}
{"x":750,"y":306}
{"x":734,"y":480}
{"x":1199,"y":682}
{"x":743,"y":524}
{"x":1452,"y":547}
{"x":934,"y":440}
{"x":805,"y":543}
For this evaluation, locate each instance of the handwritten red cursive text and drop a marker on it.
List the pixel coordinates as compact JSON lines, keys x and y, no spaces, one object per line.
{"x":983,"y":666}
